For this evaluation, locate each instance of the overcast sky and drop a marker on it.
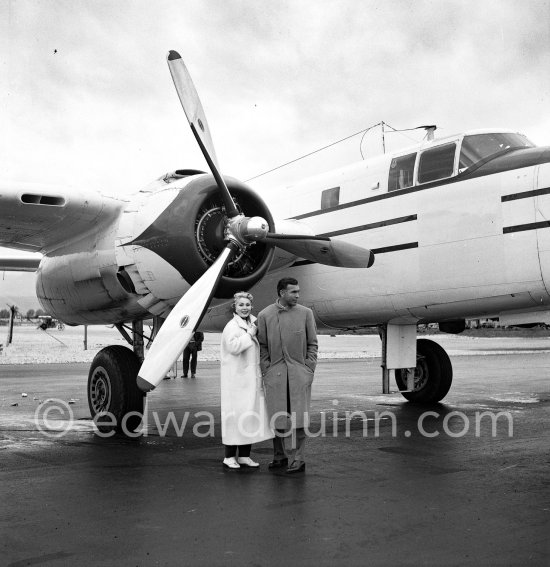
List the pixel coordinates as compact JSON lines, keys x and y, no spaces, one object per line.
{"x":87,"y":97}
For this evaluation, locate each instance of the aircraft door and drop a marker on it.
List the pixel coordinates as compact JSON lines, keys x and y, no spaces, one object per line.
{"x":542,"y":220}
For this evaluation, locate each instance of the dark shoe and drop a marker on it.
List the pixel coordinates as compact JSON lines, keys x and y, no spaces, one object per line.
{"x":296,"y":467}
{"x":193,"y":376}
{"x":184,"y":376}
{"x":278,"y":464}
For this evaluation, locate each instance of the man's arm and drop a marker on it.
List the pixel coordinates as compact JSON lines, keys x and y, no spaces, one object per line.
{"x":262,"y":339}
{"x":311,"y":338}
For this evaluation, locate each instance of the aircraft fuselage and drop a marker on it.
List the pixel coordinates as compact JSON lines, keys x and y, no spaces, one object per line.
{"x":452,"y":240}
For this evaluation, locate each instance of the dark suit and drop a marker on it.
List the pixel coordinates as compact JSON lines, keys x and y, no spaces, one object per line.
{"x":190,"y":353}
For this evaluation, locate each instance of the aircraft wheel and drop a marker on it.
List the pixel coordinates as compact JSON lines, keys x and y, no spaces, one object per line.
{"x":433,"y":374}
{"x":112,"y":388}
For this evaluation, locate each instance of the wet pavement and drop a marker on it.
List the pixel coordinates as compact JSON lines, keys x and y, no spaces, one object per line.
{"x":464,"y":482}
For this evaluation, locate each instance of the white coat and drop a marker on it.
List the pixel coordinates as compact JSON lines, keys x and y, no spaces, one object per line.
{"x":243,"y":408}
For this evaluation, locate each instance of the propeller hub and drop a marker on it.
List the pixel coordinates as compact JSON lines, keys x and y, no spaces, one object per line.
{"x":257,"y":228}
{"x":248,"y":229}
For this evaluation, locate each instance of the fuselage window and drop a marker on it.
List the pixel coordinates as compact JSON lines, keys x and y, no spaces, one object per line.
{"x":436,"y":163}
{"x":401,"y":172}
{"x":330,"y":198}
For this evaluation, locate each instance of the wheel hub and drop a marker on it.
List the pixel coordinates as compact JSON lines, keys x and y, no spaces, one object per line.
{"x":100,"y":390}
{"x":421,"y":373}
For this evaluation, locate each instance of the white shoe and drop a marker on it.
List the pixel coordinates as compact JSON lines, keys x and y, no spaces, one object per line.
{"x":247,"y":462}
{"x":231,"y":463}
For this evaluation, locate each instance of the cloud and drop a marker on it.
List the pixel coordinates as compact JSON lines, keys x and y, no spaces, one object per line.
{"x":277,"y":80}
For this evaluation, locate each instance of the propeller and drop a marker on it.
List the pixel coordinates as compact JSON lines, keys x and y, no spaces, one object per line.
{"x":177,"y":330}
{"x":196,"y":117}
{"x":323,"y":250}
{"x":240,"y":232}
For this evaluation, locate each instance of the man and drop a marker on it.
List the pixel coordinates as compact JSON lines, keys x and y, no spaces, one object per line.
{"x":190,"y":353}
{"x":288,"y":356}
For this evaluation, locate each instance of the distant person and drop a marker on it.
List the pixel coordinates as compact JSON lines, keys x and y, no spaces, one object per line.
{"x":288,"y":355}
{"x":243,"y":409}
{"x":190,"y":354}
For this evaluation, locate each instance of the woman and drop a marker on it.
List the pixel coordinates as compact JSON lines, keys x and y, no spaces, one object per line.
{"x":244,"y":413}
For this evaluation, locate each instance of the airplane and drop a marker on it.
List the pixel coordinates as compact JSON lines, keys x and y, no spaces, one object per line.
{"x":446,"y":230}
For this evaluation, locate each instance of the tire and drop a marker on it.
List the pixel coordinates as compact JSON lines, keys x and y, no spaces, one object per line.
{"x":112,"y":388}
{"x":433,"y":374}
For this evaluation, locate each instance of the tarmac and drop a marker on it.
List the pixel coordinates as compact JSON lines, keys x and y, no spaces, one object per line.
{"x":387,"y":483}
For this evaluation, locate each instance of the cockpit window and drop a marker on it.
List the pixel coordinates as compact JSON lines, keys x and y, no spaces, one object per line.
{"x":401,"y":172}
{"x":436,"y":163}
{"x":479,"y":146}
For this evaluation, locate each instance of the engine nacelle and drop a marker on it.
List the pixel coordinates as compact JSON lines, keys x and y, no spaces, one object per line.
{"x":183,"y":225}
{"x":162,"y":243}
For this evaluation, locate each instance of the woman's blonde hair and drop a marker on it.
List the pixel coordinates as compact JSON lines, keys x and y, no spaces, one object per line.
{"x":239,"y":295}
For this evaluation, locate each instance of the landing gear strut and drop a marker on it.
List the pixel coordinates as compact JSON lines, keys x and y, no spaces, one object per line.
{"x":422,"y":369}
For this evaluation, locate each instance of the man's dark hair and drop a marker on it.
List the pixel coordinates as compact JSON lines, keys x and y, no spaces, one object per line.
{"x":282,"y":284}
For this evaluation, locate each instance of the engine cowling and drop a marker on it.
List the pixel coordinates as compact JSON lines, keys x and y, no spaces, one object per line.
{"x":189,"y":234}
{"x":116,"y":276}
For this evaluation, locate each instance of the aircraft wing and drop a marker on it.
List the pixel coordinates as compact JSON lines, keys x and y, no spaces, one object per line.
{"x":19,"y":263}
{"x":41,"y":218}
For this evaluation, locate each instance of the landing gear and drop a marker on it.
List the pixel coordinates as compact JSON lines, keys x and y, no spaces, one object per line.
{"x":112,"y":390}
{"x":433,"y":374}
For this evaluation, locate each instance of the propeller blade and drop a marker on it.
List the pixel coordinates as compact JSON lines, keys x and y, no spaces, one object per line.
{"x":323,"y":250}
{"x":180,"y":325}
{"x":196,"y":117}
